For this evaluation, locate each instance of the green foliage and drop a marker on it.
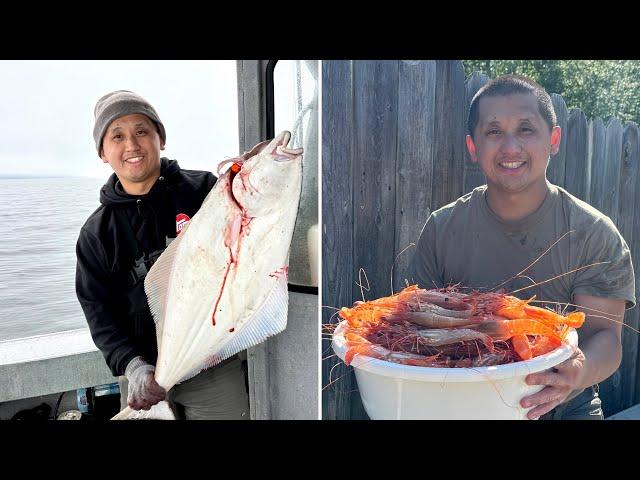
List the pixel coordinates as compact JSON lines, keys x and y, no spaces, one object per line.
{"x":600,"y":88}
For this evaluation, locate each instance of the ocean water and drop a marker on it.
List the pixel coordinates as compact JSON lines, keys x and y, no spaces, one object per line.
{"x":41,"y":218}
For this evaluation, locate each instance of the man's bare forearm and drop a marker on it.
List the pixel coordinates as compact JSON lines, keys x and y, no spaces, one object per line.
{"x":603,"y":354}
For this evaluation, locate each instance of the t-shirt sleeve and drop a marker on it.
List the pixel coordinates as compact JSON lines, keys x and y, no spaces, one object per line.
{"x":424,"y":268}
{"x":614,"y":279}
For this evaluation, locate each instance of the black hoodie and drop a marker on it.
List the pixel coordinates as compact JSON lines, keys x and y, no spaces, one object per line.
{"x":116,"y":247}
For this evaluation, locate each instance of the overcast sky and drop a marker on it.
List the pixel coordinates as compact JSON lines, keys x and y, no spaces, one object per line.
{"x":47,"y":111}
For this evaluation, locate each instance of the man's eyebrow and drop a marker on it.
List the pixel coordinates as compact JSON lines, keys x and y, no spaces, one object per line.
{"x":136,"y":125}
{"x":495,"y":121}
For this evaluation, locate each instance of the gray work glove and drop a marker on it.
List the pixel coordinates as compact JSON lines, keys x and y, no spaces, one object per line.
{"x":144,"y":391}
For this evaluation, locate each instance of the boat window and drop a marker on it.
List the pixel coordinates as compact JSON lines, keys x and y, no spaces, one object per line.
{"x":295,"y":105}
{"x":295,"y":98}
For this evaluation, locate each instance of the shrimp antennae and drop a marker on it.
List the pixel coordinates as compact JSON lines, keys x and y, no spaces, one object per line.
{"x":330,"y":356}
{"x":368,"y":287}
{"x":334,"y":381}
{"x":582,"y":307}
{"x":556,"y":277}
{"x":329,"y":306}
{"x":535,"y":261}
{"x":394,"y":262}
{"x":528,"y":278}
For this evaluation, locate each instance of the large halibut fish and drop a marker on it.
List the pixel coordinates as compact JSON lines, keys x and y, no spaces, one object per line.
{"x":221,"y":286}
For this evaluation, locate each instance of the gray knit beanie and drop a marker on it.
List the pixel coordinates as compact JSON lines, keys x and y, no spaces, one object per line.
{"x":118,"y":104}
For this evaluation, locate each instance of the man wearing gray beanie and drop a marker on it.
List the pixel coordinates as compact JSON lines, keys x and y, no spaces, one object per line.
{"x":143,"y":206}
{"x":113,"y":112}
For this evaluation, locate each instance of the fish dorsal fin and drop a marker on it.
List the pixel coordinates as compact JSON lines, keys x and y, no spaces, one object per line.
{"x":269,"y":319}
{"x":156,"y":282}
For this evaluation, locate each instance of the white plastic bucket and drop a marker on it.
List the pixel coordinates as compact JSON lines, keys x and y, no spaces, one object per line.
{"x":391,"y":391}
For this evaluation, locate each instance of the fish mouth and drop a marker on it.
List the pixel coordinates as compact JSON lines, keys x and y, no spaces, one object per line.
{"x":282,"y":140}
{"x":283,"y":154}
{"x":280,"y":151}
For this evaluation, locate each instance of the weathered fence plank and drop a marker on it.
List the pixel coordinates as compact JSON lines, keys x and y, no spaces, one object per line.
{"x":556,"y":168}
{"x":337,"y":226}
{"x":448,"y":156}
{"x":598,"y":136}
{"x":416,"y":95}
{"x":627,"y":216}
{"x":613,"y":157}
{"x":472,"y":175}
{"x":576,"y":178}
{"x":374,"y":167}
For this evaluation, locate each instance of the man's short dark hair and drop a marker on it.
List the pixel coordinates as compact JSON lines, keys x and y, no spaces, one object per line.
{"x":512,"y":85}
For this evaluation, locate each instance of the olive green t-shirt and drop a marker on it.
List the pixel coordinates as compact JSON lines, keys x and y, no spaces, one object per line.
{"x":466,"y":243}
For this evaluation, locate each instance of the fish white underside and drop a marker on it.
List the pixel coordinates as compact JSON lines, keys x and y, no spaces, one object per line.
{"x":184,"y":286}
{"x":246,"y":305}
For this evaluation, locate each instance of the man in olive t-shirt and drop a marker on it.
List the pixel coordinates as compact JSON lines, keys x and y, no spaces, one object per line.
{"x":487,"y":237}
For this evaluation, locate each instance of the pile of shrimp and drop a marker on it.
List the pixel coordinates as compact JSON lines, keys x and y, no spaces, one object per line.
{"x":448,"y":328}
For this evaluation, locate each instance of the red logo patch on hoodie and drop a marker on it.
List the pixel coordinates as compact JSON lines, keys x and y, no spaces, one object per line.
{"x":181,"y":219}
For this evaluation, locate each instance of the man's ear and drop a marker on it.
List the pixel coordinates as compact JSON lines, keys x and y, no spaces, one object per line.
{"x":161,"y":145}
{"x":556,"y":137}
{"x":472,"y":149}
{"x":104,"y":160}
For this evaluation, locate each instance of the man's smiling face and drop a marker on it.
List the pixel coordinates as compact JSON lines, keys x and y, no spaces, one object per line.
{"x":131,"y":145}
{"x":512,"y":142}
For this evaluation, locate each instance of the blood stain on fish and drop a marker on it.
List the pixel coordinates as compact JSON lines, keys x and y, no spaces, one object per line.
{"x":226,"y":274}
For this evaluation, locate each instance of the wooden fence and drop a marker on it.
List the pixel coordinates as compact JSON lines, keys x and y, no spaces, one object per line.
{"x":394,"y":150}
